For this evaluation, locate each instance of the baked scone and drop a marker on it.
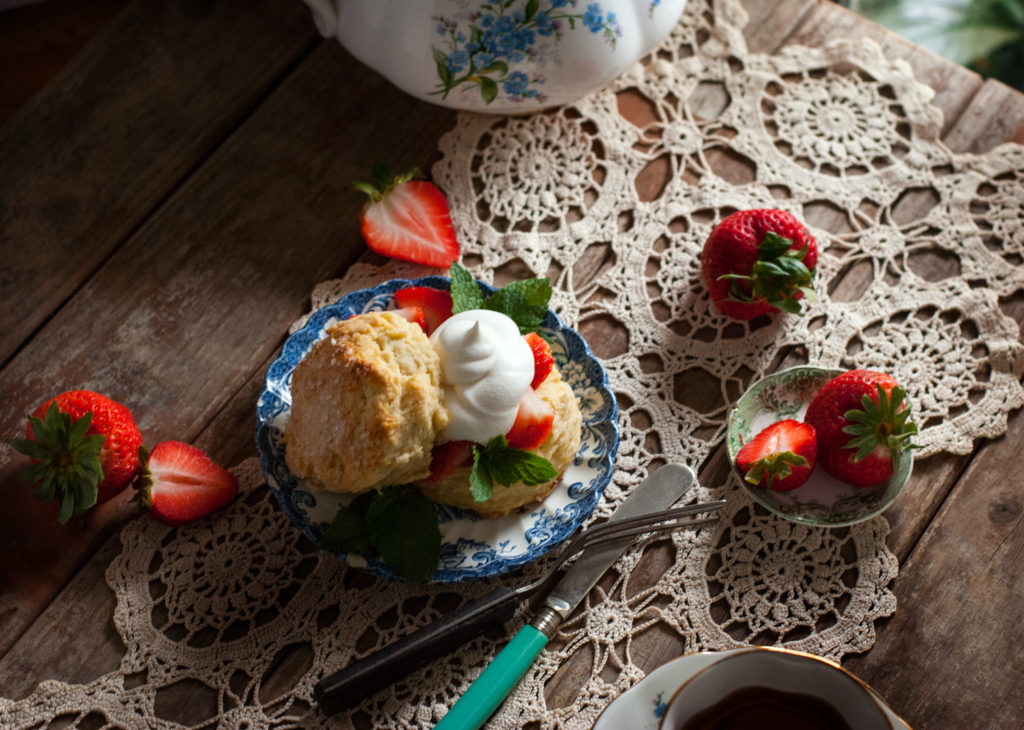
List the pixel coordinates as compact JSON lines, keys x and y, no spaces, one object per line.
{"x":366,"y":406}
{"x":559,"y":448}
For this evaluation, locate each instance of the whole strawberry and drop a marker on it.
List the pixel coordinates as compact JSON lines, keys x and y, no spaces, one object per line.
{"x":407,"y":219}
{"x":862,"y":424}
{"x":85,"y":449}
{"x":780,"y":457}
{"x":755,"y":261}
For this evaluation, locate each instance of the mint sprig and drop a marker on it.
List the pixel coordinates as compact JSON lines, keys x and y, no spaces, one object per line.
{"x":525,"y":301}
{"x":499,"y":463}
{"x":396,"y":524}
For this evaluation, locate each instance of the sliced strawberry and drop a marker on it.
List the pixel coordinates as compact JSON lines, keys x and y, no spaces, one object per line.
{"x":446,"y":458}
{"x":407,"y":219}
{"x":181,"y":483}
{"x":781,"y":456}
{"x":436,"y":304}
{"x":414,"y":315}
{"x":542,"y":358}
{"x":533,"y":422}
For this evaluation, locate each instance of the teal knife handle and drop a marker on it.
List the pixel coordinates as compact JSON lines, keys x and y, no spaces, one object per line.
{"x":497,"y":680}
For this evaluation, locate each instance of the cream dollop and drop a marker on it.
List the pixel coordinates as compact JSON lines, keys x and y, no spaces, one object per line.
{"x":486,"y":368}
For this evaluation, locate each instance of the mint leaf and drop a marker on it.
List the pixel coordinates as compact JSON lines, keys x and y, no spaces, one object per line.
{"x":524,"y":301}
{"x":404,"y":529}
{"x":347,"y":532}
{"x":481,"y":485}
{"x":507,"y":466}
{"x":465,"y":291}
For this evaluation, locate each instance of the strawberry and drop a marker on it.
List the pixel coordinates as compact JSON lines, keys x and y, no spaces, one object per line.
{"x":781,"y":456}
{"x":85,"y":449}
{"x":862,"y":424}
{"x":446,"y":458}
{"x":181,"y":483}
{"x":542,"y":358}
{"x":436,"y":304}
{"x":755,"y":261}
{"x":407,"y":219}
{"x":414,"y":315}
{"x":533,"y":423}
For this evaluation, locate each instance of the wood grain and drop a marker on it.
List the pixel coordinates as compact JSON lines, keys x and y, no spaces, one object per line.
{"x":228,"y":263}
{"x":88,"y":159}
{"x":236,"y":202}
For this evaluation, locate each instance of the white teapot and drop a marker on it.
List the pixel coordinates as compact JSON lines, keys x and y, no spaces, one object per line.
{"x":502,"y":56}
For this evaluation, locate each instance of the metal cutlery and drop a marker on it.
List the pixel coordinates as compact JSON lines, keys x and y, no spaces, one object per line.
{"x":644,"y":511}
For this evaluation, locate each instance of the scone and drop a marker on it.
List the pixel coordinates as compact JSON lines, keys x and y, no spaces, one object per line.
{"x":559,"y":448}
{"x":366,"y":406}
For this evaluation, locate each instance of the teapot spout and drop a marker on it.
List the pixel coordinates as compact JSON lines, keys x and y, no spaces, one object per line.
{"x":325,"y":16}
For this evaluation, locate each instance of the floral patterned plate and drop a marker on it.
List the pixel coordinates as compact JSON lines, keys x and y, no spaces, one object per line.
{"x":642,"y":706}
{"x":823,"y":500}
{"x":472,"y":547}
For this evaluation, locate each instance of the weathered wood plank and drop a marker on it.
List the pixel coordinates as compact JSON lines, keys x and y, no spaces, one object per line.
{"x":86,"y":160}
{"x":197,"y":300}
{"x":950,"y":656}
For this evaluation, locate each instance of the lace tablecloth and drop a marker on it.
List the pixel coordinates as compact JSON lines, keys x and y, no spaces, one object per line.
{"x":222,"y":602}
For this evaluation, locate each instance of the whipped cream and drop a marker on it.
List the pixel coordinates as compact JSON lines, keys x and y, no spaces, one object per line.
{"x":486,"y":368}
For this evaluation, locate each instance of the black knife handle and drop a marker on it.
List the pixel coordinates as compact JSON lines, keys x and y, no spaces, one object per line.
{"x":349,"y":686}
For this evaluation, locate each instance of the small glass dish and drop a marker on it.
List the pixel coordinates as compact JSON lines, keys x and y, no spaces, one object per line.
{"x":823,"y":501}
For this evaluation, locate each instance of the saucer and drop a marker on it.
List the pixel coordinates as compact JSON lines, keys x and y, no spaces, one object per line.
{"x":642,"y":706}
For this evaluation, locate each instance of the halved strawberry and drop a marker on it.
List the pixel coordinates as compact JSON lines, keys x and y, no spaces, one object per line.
{"x":181,"y":483}
{"x":446,"y":458}
{"x":542,"y":359}
{"x":414,"y":315}
{"x":407,"y":219}
{"x":781,"y":456}
{"x":533,"y":422}
{"x":435,"y":303}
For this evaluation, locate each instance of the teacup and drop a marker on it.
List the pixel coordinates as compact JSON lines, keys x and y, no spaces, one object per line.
{"x":772,"y":688}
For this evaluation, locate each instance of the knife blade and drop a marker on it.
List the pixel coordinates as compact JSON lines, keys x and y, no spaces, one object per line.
{"x":659,"y":490}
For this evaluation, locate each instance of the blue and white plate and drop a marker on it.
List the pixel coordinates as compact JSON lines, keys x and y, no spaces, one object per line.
{"x":471,"y":547}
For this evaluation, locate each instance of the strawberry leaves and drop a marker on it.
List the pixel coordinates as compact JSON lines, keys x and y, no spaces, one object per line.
{"x":67,"y":462}
{"x":885,"y":423}
{"x":777,"y":275}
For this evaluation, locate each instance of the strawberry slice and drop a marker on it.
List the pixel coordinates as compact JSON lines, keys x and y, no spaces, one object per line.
{"x":446,"y":458}
{"x":414,"y":315}
{"x":533,"y":422}
{"x":181,"y":483}
{"x":436,"y":304}
{"x":407,"y":219}
{"x":542,"y":358}
{"x":781,"y":456}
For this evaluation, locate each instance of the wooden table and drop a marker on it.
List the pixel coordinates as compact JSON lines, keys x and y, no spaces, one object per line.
{"x":171,"y":196}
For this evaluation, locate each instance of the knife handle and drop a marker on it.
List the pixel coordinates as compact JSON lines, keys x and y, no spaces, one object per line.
{"x":349,"y":686}
{"x":497,"y":680}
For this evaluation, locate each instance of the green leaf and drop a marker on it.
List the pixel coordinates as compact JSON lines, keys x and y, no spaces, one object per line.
{"x":347,"y":532}
{"x":465,"y":291}
{"x":500,"y":66}
{"x":507,"y":466}
{"x":403,"y":527}
{"x":481,"y":485}
{"x":488,"y":89}
{"x":773,"y":245}
{"x":531,"y":10}
{"x":67,"y":507}
{"x":524,"y":301}
{"x":443,"y":72}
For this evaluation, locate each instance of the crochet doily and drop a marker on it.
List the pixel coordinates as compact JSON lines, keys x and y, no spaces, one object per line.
{"x":244,"y":608}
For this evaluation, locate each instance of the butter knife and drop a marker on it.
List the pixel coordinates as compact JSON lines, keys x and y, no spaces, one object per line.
{"x":658,"y":491}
